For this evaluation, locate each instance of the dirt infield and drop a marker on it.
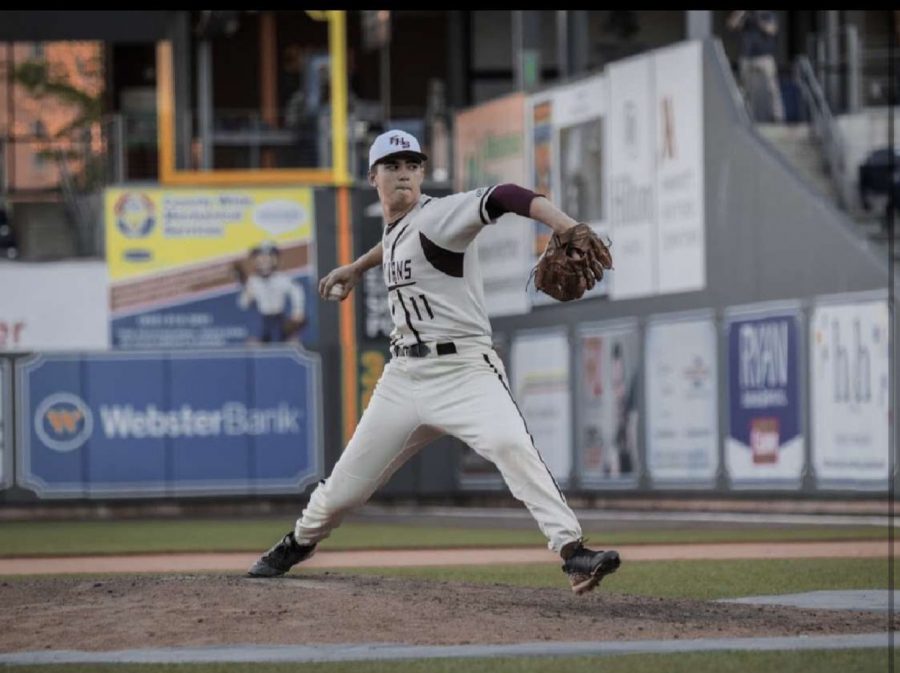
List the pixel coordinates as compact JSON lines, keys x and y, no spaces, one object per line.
{"x":433,"y":557}
{"x":123,"y":612}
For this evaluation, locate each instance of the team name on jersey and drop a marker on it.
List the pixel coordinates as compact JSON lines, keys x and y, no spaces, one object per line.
{"x":399,"y":270}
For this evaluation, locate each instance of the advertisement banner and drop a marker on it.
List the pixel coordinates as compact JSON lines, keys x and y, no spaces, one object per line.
{"x":765,"y":441}
{"x":632,"y":177}
{"x":542,"y":169}
{"x":206,"y":268}
{"x":678,"y":106}
{"x":567,"y":160}
{"x":540,"y":385}
{"x":682,"y":409}
{"x":55,"y":306}
{"x":655,"y":163}
{"x":175,"y":423}
{"x":609,"y":404}
{"x":850,"y":385}
{"x":490,"y":150}
{"x":579,"y":116}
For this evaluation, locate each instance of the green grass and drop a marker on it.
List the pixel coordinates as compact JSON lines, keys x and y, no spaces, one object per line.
{"x":51,"y":538}
{"x":820,"y":661}
{"x":705,"y":580}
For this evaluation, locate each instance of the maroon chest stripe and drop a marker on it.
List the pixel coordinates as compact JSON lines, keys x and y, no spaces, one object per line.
{"x":445,"y":261}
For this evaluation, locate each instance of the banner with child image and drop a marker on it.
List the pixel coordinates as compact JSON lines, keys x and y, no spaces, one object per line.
{"x":211,"y":267}
{"x":609,"y":403}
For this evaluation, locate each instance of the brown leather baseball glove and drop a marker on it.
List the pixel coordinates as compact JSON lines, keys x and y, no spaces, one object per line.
{"x":573,"y":263}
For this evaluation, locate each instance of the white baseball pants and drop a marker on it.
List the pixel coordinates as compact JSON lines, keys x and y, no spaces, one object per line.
{"x":416,"y":400}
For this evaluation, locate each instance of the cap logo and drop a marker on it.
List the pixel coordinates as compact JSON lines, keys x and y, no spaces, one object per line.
{"x":399,"y":140}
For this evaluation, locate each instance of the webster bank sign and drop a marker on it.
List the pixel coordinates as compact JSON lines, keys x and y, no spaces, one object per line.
{"x":233,"y":419}
{"x":168,"y":423}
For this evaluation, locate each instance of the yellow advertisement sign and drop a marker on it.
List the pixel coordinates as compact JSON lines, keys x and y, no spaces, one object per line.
{"x":203,"y":268}
{"x":490,"y":143}
{"x":152,"y":230}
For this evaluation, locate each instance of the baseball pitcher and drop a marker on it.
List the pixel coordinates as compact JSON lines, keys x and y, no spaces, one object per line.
{"x":444,"y":377}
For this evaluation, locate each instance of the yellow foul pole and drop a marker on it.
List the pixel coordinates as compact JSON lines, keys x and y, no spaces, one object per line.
{"x":337,"y":34}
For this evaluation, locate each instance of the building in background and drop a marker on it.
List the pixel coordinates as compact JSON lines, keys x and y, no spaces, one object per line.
{"x":51,"y":103}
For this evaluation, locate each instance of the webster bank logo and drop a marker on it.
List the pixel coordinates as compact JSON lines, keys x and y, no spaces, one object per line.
{"x":63,"y":422}
{"x":135,"y":215}
{"x":232,"y":419}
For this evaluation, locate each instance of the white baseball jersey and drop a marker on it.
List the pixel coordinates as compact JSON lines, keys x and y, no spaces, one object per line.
{"x":431,"y":269}
{"x":271,"y":294}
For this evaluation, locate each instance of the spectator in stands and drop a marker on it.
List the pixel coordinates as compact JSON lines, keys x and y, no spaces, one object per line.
{"x":297,"y":115}
{"x":759,"y":31}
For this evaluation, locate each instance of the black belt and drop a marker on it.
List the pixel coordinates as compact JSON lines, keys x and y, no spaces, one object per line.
{"x":421,"y":350}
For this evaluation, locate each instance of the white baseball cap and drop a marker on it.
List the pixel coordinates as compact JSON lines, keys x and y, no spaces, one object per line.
{"x":394,"y":142}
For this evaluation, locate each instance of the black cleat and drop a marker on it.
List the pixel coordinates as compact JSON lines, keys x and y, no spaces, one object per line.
{"x":586,"y":567}
{"x":281,"y":558}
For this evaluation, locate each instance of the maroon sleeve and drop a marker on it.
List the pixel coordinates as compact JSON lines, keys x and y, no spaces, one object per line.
{"x":510,"y":198}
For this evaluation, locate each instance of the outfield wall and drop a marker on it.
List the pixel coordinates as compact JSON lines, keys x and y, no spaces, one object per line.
{"x":766,"y":374}
{"x":781,"y":264}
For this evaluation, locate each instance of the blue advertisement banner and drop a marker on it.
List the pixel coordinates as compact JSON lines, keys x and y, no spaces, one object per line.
{"x":765,"y":440}
{"x":169,"y":423}
{"x":226,"y":318}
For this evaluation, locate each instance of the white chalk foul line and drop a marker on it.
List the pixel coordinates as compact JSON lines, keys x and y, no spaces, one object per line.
{"x":370,"y":652}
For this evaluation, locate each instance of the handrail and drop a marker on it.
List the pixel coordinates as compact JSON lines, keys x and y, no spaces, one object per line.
{"x":824,"y":127}
{"x":740,"y":105}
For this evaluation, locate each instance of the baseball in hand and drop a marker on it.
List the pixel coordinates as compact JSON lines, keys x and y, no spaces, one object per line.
{"x":336,"y":291}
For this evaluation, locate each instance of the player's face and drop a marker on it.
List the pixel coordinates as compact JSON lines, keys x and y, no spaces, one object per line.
{"x":265,"y":263}
{"x":398,"y":181}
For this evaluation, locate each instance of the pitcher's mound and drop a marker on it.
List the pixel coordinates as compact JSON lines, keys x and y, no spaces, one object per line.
{"x":122,"y":612}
